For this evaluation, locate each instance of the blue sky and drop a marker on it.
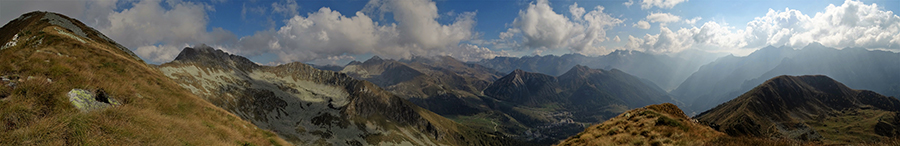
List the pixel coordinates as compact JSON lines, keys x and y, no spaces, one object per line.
{"x":338,"y":31}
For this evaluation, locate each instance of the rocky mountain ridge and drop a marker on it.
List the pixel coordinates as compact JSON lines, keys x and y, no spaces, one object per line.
{"x":665,"y":71}
{"x":310,"y":106}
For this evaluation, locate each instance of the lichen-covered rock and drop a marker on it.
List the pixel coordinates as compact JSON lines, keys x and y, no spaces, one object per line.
{"x":87,"y":101}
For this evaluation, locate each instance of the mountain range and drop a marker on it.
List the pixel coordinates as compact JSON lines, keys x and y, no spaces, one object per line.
{"x":729,"y":76}
{"x":785,"y":110}
{"x":530,"y":106}
{"x":64,"y":83}
{"x":307,"y":106}
{"x":807,"y":108}
{"x":665,"y":71}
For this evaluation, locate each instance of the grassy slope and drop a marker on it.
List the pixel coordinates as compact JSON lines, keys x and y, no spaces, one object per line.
{"x":663,"y":124}
{"x":155,"y":110}
{"x":789,"y":99}
{"x":853,"y":126}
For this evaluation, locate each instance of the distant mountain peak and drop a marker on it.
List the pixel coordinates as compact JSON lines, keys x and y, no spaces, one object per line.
{"x":518,"y":72}
{"x":815,"y":45}
{"x":580,"y":71}
{"x":817,"y":83}
{"x":374,"y":59}
{"x":209,"y":56}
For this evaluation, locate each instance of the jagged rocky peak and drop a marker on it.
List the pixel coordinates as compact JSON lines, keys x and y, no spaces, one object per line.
{"x":518,"y":72}
{"x":208,"y":56}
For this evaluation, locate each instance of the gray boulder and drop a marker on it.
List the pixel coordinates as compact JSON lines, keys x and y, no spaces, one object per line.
{"x":87,"y":101}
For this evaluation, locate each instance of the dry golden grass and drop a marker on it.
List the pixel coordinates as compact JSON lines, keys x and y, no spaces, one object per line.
{"x":662,"y":124}
{"x":155,"y":110}
{"x":665,"y":124}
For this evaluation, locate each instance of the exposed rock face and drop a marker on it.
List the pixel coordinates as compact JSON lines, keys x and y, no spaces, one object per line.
{"x":441,"y":84}
{"x":794,"y":106}
{"x":308,"y":106}
{"x":87,"y":101}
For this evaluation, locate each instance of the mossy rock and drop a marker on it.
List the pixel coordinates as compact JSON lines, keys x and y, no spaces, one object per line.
{"x":87,"y":101}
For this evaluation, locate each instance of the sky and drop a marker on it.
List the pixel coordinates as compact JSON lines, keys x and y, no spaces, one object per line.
{"x":338,"y":31}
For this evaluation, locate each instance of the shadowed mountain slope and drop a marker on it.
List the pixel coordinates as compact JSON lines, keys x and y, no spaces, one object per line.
{"x":52,"y":65}
{"x":730,"y":76}
{"x":808,"y":108}
{"x":562,"y":105}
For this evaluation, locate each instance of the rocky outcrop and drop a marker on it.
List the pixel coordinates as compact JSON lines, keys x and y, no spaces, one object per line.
{"x":87,"y":101}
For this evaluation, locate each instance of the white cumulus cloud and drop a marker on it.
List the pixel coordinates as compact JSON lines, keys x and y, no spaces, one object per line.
{"x":539,"y":27}
{"x":469,"y":52}
{"x":851,"y":24}
{"x":666,"y":41}
{"x":642,"y":24}
{"x":327,"y":33}
{"x":287,"y":7}
{"x":665,"y":4}
{"x":155,"y":30}
{"x":157,"y":33}
{"x":662,"y":17}
{"x":692,"y":21}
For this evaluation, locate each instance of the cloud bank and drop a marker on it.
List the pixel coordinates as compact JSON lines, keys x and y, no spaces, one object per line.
{"x":852,"y":24}
{"x":329,"y":33}
{"x":538,"y":27}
